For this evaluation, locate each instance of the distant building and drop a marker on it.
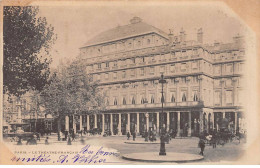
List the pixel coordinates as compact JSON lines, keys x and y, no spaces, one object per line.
{"x":203,"y":81}
{"x":25,"y":111}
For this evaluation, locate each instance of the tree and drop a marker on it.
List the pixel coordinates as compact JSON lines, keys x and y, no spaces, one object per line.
{"x":71,"y":92}
{"x":27,"y":42}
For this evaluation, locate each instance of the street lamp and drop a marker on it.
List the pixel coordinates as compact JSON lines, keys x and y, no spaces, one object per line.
{"x":162,"y":143}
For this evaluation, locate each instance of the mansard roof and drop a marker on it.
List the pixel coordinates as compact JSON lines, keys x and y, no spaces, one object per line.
{"x":136,"y":28}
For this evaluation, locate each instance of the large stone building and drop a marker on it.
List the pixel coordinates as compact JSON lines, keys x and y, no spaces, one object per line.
{"x":203,"y":82}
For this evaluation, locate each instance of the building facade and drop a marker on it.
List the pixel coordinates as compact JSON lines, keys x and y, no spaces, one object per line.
{"x":203,"y":82}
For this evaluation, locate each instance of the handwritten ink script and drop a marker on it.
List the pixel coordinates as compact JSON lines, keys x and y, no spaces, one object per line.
{"x":87,"y":155}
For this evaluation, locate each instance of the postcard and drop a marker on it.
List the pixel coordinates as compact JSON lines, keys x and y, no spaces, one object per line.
{"x":129,"y":82}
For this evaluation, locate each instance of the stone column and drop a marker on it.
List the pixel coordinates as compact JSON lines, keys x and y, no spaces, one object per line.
{"x":80,"y":122}
{"x":88,"y":123}
{"x":157,"y":121}
{"x":111,"y":124}
{"x":213,"y":120}
{"x":224,"y":115}
{"x":147,"y":121}
{"x":119,"y":125}
{"x":128,"y":123}
{"x":67,"y":123}
{"x":235,"y":124}
{"x":207,"y":122}
{"x":178,"y":123}
{"x":103,"y":123}
{"x":95,"y":121}
{"x":189,"y":123}
{"x":137,"y":124}
{"x":74,"y":124}
{"x":168,"y":121}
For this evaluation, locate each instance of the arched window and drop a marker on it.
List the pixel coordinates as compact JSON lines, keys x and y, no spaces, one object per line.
{"x":148,"y":41}
{"x":172,"y":98}
{"x":115,"y":101}
{"x":142,"y":100}
{"x":107,"y":101}
{"x":195,"y":97}
{"x":124,"y":101}
{"x":183,"y":97}
{"x":152,"y":99}
{"x":133,"y":100}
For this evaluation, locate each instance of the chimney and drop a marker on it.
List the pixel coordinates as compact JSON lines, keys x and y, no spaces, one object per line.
{"x":200,"y":36}
{"x":170,"y":35}
{"x":182,"y":35}
{"x":135,"y":20}
{"x":216,"y":43}
{"x":238,"y":39}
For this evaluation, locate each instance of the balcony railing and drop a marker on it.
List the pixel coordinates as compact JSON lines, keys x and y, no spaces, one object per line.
{"x":157,"y":105}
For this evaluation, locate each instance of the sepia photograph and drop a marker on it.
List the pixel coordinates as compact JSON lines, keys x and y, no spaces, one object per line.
{"x":127,"y":83}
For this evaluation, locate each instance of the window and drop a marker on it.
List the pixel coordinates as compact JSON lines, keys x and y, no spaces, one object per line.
{"x":142,"y":71}
{"x":107,"y":64}
{"x":115,"y":101}
{"x":107,"y":101}
{"x":217,"y":97}
{"x":139,"y":43}
{"x":195,"y":79}
{"x":148,"y":41}
{"x":132,"y":72}
{"x":162,"y":69}
{"x":183,"y":97}
{"x":99,"y":65}
{"x":115,"y":75}
{"x":217,"y":69}
{"x":124,"y":74}
{"x":133,"y":100}
{"x":152,"y":70}
{"x":173,"y":98}
{"x":183,"y":80}
{"x":143,"y":59}
{"x":229,"y":68}
{"x":106,"y":76}
{"x":183,"y":67}
{"x":115,"y":63}
{"x":124,"y":101}
{"x":173,"y":68}
{"x":228,"y":82}
{"x":142,"y":100}
{"x":195,"y":96}
{"x":195,"y":52}
{"x":152,"y":99}
{"x":98,"y":77}
{"x":229,"y":96}
{"x":133,"y":60}
{"x":194,"y":65}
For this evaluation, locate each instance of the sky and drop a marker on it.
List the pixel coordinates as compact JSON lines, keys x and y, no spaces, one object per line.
{"x":76,"y":24}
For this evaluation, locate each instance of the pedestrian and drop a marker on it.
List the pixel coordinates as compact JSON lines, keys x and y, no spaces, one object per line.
{"x":46,"y":141}
{"x":146,"y":136}
{"x":202,"y":146}
{"x":134,"y":136}
{"x":69,"y":140}
{"x":128,"y":135}
{"x":73,"y":135}
{"x":66,"y":134}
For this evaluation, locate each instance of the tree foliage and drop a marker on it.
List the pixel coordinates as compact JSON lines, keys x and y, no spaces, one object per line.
{"x":27,"y":41}
{"x":71,"y":92}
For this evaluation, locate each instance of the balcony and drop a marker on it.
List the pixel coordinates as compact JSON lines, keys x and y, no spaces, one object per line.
{"x":156,"y":105}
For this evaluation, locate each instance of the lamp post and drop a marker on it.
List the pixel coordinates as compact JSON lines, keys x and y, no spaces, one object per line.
{"x":162,"y":142}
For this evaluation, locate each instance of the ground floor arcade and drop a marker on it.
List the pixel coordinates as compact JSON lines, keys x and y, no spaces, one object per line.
{"x":183,"y":122}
